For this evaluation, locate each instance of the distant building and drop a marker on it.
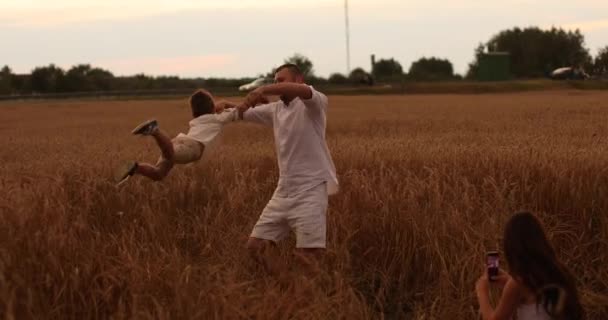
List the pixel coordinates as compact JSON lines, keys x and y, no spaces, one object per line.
{"x":494,"y":66}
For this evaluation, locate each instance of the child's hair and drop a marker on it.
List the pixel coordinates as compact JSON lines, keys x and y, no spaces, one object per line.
{"x":201,"y":103}
{"x":532,"y":261}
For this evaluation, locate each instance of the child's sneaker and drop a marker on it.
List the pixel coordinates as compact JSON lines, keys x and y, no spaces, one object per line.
{"x":147,"y":128}
{"x":124,"y":172}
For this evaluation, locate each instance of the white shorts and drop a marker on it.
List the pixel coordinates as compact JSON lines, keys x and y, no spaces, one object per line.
{"x":304,"y":213}
{"x":185,"y":150}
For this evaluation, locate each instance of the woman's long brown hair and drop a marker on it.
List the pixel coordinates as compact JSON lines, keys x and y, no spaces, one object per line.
{"x":533,"y":262}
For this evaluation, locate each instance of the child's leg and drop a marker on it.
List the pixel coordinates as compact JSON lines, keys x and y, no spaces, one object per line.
{"x":155,"y":172}
{"x":165,"y":163}
{"x":165,"y":144}
{"x":150,"y":128}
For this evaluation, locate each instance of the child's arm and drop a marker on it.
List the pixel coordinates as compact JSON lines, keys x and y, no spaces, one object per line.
{"x":227,"y":116}
{"x":222,"y":105}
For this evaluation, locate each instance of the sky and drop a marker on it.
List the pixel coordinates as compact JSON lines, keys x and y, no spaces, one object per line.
{"x":245,"y":38}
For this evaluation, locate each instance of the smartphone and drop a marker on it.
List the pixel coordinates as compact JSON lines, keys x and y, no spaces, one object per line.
{"x":492,"y":264}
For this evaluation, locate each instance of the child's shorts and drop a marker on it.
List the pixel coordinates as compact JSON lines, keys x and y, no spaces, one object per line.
{"x":185,"y":150}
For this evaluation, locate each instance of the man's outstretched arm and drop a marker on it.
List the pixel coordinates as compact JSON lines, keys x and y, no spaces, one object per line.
{"x":260,"y":114}
{"x":287,"y":90}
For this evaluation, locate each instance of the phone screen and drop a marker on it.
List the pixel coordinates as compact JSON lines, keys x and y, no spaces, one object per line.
{"x":492,"y":264}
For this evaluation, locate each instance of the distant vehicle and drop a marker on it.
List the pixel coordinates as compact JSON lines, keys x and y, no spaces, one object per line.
{"x":569,"y":73}
{"x":254,"y":84}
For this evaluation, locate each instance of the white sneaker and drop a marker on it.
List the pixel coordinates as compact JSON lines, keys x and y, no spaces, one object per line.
{"x":147,"y":128}
{"x":124,"y":172}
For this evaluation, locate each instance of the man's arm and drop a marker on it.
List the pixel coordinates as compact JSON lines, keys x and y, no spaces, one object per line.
{"x":288,"y":90}
{"x":262,"y":114}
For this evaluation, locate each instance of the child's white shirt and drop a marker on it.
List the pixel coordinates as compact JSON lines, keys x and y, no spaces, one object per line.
{"x":206,"y":127}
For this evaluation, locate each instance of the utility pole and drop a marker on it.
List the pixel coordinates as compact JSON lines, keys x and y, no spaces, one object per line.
{"x":347,"y":38}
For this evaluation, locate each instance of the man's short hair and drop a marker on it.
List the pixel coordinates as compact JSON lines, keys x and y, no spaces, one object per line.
{"x":201,"y":103}
{"x":293,"y":68}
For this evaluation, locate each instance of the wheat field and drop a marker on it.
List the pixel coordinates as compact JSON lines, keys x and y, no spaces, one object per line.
{"x":427,"y":182}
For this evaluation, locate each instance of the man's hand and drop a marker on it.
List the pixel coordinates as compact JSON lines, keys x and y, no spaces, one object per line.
{"x":263,"y":100}
{"x":223,"y":105}
{"x":241,"y":109}
{"x":255,"y":98}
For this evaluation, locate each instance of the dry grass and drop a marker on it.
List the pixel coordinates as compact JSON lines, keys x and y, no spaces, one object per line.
{"x":427,"y":183}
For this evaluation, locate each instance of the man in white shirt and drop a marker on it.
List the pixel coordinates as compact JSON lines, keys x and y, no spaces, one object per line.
{"x":307,"y":173}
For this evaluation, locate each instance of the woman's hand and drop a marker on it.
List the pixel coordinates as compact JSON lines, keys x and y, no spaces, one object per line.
{"x":501,"y":279}
{"x":483,"y":284}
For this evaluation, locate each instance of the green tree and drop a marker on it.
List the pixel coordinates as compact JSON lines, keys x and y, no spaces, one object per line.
{"x":600,"y":65}
{"x":85,"y":78}
{"x":76,"y":78}
{"x":314,"y":80}
{"x":358,"y":76}
{"x":101,"y":79}
{"x":47,"y":79}
{"x":337,"y":78}
{"x":387,"y":68}
{"x":303,"y":63}
{"x":6,"y":80}
{"x":535,"y":52}
{"x":429,"y":69}
{"x":474,"y":66}
{"x":20,"y":83}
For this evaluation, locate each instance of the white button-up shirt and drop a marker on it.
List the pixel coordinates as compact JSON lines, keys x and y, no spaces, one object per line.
{"x":299,"y":135}
{"x":206,"y":127}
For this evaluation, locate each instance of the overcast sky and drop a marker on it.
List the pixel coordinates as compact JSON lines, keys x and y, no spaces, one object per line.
{"x":233,"y":38}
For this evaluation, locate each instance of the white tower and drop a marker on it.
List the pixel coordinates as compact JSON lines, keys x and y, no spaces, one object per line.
{"x":347,"y":38}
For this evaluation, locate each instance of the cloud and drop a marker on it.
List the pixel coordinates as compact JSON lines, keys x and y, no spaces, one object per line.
{"x":192,"y":66}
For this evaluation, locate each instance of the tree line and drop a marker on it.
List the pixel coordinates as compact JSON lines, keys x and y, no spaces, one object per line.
{"x":85,"y":78}
{"x":534,"y":53}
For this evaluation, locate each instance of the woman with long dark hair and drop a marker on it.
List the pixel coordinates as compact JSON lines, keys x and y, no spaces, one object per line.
{"x":538,"y":286}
